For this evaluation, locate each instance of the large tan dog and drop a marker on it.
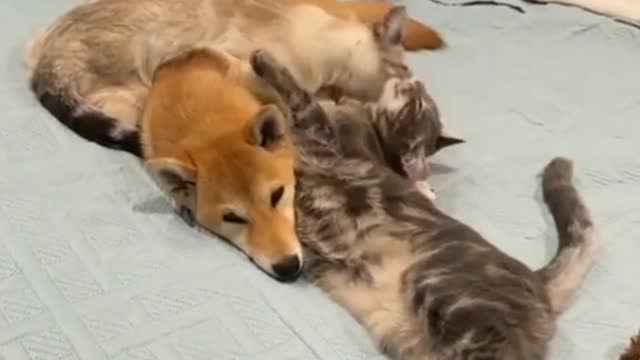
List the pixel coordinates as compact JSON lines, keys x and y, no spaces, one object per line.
{"x":223,"y":157}
{"x":92,"y":67}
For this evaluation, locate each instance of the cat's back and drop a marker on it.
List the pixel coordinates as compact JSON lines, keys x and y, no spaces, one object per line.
{"x":473,"y":298}
{"x":356,"y":134}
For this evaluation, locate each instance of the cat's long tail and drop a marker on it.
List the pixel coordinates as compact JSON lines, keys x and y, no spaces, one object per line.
{"x":578,"y":242}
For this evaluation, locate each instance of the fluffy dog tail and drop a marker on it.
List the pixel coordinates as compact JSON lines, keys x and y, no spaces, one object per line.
{"x":577,"y":240}
{"x":92,"y":125}
{"x":88,"y":123}
{"x":52,"y":82}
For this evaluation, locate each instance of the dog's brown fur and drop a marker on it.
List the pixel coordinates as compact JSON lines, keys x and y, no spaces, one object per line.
{"x":223,"y":157}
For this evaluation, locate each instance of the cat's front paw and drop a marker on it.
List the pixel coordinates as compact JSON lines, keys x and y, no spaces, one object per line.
{"x":426,"y":190}
{"x":261,"y":61}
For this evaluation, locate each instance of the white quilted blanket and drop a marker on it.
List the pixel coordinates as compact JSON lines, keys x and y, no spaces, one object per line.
{"x":93,"y":265}
{"x":624,"y":10}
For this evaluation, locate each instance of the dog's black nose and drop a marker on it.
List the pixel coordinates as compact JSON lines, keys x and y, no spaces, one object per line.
{"x":288,"y":269}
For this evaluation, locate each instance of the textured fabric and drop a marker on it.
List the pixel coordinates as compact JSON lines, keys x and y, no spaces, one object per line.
{"x":93,"y":264}
{"x":627,"y":11}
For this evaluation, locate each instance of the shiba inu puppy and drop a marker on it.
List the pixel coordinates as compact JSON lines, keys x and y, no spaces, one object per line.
{"x":223,"y":157}
{"x":92,"y":67}
{"x":425,"y":285}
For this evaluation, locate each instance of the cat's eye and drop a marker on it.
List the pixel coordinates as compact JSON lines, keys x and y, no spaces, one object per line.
{"x":232,"y":217}
{"x":276,"y":196}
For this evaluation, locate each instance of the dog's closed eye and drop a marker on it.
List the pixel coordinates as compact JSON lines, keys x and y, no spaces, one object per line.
{"x":232,"y":217}
{"x":276,"y":196}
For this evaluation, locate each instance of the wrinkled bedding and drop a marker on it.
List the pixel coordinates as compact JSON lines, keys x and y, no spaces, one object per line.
{"x":626,"y":11}
{"x":94,"y":265}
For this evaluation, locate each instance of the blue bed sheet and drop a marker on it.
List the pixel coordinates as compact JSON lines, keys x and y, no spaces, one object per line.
{"x":94,"y":265}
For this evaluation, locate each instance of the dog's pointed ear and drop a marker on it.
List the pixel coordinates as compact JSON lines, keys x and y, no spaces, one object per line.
{"x":445,"y":140}
{"x":389,"y":31}
{"x":176,"y":178}
{"x":267,"y":128}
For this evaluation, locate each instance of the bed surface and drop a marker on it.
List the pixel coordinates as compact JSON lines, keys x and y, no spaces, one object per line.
{"x":93,"y":264}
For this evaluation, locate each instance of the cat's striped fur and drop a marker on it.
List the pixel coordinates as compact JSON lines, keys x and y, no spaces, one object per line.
{"x":425,"y":285}
{"x":401,"y":130}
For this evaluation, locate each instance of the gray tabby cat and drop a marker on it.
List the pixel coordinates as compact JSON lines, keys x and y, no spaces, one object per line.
{"x":402,"y":134}
{"x":425,"y":285}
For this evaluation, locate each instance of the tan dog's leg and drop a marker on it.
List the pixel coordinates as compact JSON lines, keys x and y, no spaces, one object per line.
{"x":417,"y":36}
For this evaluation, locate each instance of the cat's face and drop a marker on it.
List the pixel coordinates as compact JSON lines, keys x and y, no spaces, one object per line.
{"x":410,"y":126}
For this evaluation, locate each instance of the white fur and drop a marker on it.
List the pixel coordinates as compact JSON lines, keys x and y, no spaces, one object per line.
{"x":380,"y":308}
{"x":122,"y":103}
{"x":576,"y":265}
{"x":424,"y":187}
{"x":392,"y":99}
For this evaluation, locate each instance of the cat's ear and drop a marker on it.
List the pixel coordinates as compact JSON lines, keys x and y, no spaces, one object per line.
{"x":267,"y":128}
{"x":177,"y":179}
{"x":389,"y":31}
{"x":445,"y":140}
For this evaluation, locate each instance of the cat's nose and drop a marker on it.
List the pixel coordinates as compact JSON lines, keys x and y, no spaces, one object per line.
{"x":417,"y":85}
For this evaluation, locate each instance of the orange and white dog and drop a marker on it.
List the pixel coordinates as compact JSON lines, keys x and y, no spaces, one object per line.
{"x":223,"y":157}
{"x":169,"y":81}
{"x":92,"y":67}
